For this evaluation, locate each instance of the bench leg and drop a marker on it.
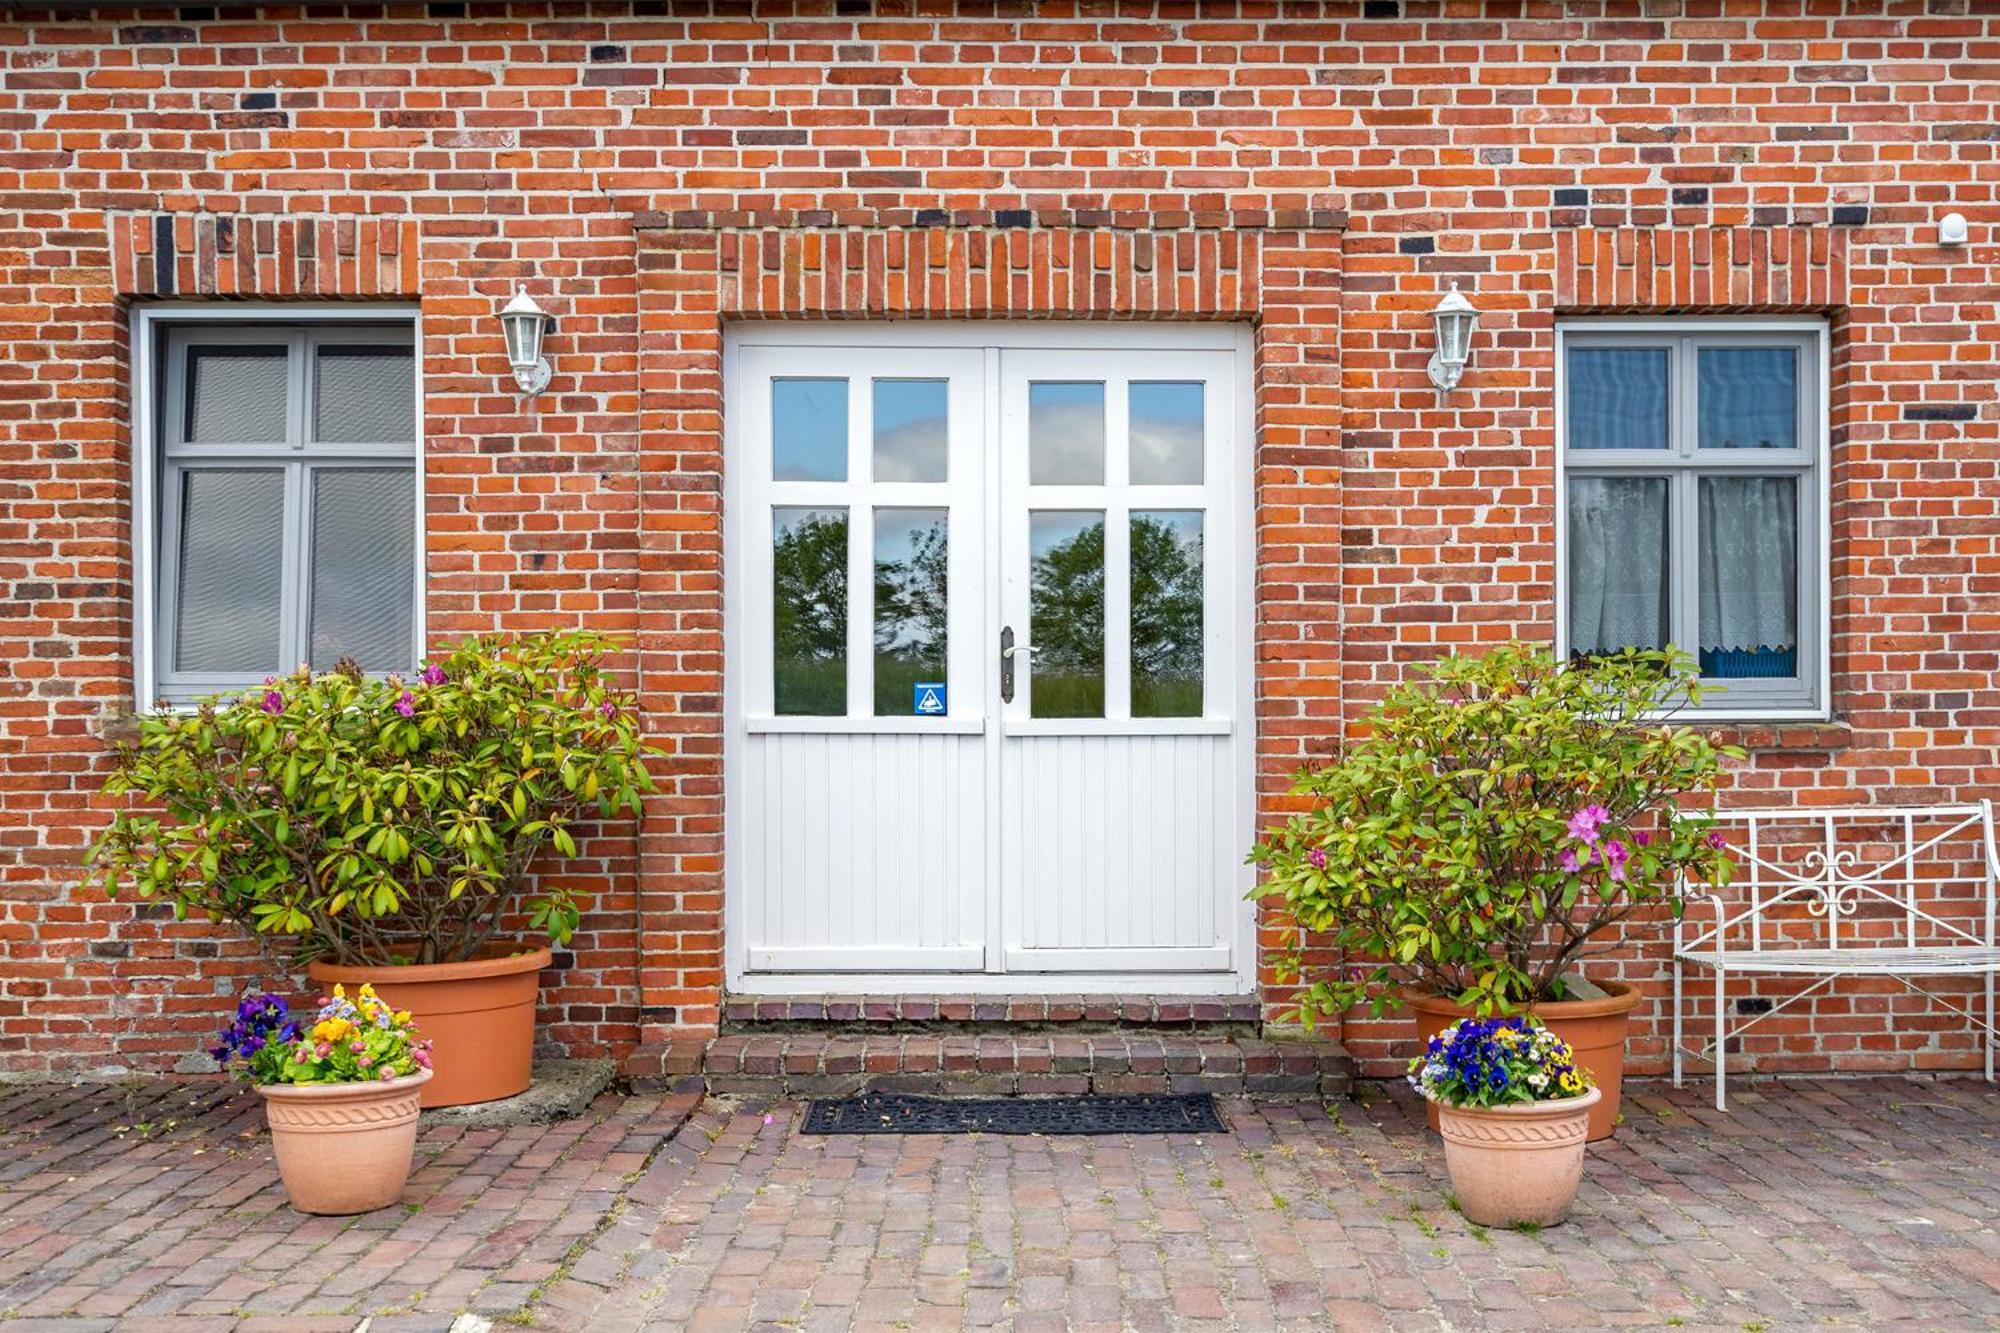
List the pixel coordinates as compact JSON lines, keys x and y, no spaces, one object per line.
{"x":1678,"y":966}
{"x":1991,"y":1035}
{"x":1720,"y":1014}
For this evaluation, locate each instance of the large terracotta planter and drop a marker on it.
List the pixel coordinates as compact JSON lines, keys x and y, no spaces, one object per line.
{"x":479,"y":1017}
{"x":1594,"y":1029}
{"x":1515,"y":1164}
{"x":344,"y":1147}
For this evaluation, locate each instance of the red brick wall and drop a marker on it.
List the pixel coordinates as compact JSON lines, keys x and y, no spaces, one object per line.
{"x":798,"y":160}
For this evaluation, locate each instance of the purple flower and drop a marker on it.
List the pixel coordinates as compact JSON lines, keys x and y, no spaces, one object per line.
{"x":1716,"y":841}
{"x":1583,"y":825}
{"x":274,"y":702}
{"x":608,"y":710}
{"x":406,"y":704}
{"x":1615,"y":857}
{"x":433,"y":675}
{"x":1642,"y":837}
{"x":1568,"y":861}
{"x":1318,"y":858}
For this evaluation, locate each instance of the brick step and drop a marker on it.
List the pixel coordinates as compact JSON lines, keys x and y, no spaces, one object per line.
{"x":1238,"y":1015}
{"x":1024,"y":1063}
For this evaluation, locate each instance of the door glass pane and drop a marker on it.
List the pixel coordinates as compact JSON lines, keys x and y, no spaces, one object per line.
{"x":1166,"y":614}
{"x":1066,"y":613}
{"x":1065,"y":434}
{"x":236,"y":395}
{"x":809,"y":430}
{"x":1618,"y":570}
{"x":809,"y":605}
{"x":1748,"y":571}
{"x":1748,"y":397}
{"x":231,"y":576}
{"x":364,"y":567}
{"x":911,"y":546}
{"x":364,"y":395}
{"x":1617,"y":397}
{"x":911,"y":435}
{"x":1166,"y":433}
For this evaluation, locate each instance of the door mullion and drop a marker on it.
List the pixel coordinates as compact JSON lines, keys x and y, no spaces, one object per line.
{"x":996,"y":607}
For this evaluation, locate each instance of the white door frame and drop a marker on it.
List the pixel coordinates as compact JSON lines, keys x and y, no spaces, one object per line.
{"x":740,"y":556}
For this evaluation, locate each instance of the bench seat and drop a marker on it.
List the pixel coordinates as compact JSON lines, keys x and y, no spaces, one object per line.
{"x":1853,"y":960}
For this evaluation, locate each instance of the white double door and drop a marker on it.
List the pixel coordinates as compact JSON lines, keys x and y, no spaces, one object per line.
{"x":987,"y":677}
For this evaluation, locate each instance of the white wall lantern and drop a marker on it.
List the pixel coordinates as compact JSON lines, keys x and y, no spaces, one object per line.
{"x":1951,"y":229}
{"x":525,"y":325}
{"x":1454,"y":318}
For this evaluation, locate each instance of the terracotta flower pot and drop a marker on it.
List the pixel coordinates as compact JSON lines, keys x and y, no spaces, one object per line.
{"x":479,"y":1017}
{"x":1515,"y":1164}
{"x":344,"y":1147}
{"x":1594,"y":1029}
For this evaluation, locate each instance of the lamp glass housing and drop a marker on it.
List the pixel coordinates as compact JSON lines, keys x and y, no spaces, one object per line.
{"x":525,"y":325}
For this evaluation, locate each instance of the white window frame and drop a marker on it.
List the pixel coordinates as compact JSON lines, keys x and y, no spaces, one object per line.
{"x":159,"y":334}
{"x":1803,"y":698}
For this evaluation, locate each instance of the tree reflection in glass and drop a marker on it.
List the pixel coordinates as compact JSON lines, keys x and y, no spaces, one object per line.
{"x":911,"y":609}
{"x":1166,"y":614}
{"x":809,"y":605}
{"x":1066,"y":613}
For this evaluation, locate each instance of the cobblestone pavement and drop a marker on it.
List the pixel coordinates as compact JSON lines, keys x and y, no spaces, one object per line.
{"x":1850,"y":1204}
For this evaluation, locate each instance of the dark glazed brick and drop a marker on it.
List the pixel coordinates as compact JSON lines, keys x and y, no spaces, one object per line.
{"x":1571,"y":198}
{"x":155,"y":34}
{"x":607,"y":52}
{"x":1381,"y":9}
{"x":1941,"y":412}
{"x":1013,"y":217}
{"x":1850,"y":215}
{"x":1691,"y":195}
{"x":1417,"y":245}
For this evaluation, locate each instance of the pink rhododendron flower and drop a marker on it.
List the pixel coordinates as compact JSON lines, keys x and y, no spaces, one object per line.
{"x":1318,"y":857}
{"x":406,"y":704}
{"x":1584,"y":823}
{"x":274,"y":702}
{"x":1642,"y":837}
{"x":609,"y":710}
{"x":1615,"y":857}
{"x":1568,"y":861}
{"x":1716,"y":840}
{"x":433,"y":675}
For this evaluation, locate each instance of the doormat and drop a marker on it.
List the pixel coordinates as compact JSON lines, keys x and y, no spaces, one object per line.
{"x":889,"y":1113}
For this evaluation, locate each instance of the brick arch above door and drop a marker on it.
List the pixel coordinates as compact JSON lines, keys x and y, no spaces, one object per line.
{"x":1285,"y":280}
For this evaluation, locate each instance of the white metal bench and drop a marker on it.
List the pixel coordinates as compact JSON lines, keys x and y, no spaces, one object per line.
{"x":1894,"y":891}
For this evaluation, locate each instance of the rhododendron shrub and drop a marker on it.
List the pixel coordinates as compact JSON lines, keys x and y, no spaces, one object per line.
{"x":1497,"y":817}
{"x":378,"y":821}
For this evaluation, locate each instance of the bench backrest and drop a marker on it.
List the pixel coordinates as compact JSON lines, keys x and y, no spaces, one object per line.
{"x":1859,"y":877}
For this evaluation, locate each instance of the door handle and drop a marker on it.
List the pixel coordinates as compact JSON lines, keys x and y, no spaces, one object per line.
{"x":1009,"y":650}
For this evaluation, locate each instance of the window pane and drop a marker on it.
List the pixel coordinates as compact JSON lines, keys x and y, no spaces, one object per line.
{"x":1066,"y":614}
{"x":809,"y":430}
{"x":910,"y":608}
{"x":1166,"y":614}
{"x":364,"y":567}
{"x":231,"y":576}
{"x":1749,"y":577}
{"x":236,"y":395}
{"x":365,"y":395}
{"x":809,"y":605}
{"x":1618,"y":554}
{"x":1617,"y":398}
{"x":1748,"y":397}
{"x":1065,"y":434}
{"x":911,"y":434}
{"x":1166,"y":433}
